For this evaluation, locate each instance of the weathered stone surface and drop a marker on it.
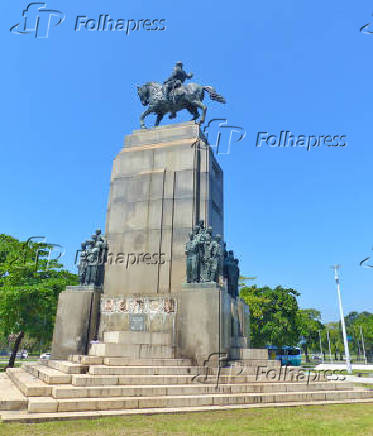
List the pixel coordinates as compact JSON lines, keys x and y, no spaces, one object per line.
{"x":29,"y":385}
{"x":162,"y":183}
{"x":42,"y":405}
{"x":138,"y":337}
{"x":46,"y":374}
{"x":10,"y":397}
{"x":68,"y":367}
{"x":76,"y":321}
{"x":140,"y":351}
{"x":204,"y":322}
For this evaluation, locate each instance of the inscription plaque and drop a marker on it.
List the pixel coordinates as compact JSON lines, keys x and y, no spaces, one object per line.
{"x":137,"y":322}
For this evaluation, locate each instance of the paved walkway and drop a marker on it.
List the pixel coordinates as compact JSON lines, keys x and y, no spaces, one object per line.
{"x":323,"y":366}
{"x":355,"y":379}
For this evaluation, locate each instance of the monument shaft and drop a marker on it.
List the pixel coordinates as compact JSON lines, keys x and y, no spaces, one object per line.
{"x":163,"y":182}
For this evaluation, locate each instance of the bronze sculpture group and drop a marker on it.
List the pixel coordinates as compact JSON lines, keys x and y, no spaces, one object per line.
{"x":172,"y":96}
{"x":91,"y":267}
{"x":206,"y":262}
{"x":203,"y":255}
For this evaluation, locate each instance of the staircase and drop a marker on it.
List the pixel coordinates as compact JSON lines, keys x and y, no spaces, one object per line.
{"x":93,"y":386}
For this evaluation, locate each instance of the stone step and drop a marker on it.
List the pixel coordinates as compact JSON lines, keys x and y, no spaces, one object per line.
{"x":174,"y":379}
{"x":145,"y":370}
{"x":51,"y":405}
{"x":256,"y":362}
{"x":86,"y":360}
{"x":177,"y":370}
{"x":248,"y":370}
{"x":29,"y":385}
{"x":46,"y":374}
{"x":138,"y":338}
{"x":188,"y":389}
{"x":68,"y":367}
{"x":133,"y":351}
{"x":102,"y":380}
{"x":10,"y":396}
{"x":26,"y":417}
{"x":118,"y":361}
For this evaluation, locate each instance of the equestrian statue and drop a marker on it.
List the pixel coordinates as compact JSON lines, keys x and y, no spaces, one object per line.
{"x":172,"y":96}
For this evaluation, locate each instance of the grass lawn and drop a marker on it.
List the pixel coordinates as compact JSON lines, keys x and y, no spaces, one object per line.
{"x":3,"y":366}
{"x":338,"y":419}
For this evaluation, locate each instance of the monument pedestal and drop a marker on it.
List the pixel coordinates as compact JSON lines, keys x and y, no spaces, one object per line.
{"x":203,"y":322}
{"x":76,"y":321}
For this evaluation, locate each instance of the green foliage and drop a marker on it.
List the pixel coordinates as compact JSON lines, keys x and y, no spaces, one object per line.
{"x":364,"y":320}
{"x":273,"y":315}
{"x":29,"y":288}
{"x":308,"y":327}
{"x":336,"y":338}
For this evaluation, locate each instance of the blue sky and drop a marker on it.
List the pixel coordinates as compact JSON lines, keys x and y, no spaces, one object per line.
{"x":68,"y":101}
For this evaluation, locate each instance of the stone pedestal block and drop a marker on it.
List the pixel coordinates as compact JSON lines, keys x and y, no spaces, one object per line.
{"x":163,"y":182}
{"x":203,"y":322}
{"x":76,"y":321}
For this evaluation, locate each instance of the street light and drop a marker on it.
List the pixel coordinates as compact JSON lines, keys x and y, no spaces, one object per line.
{"x":322,"y":356}
{"x":330,"y":350}
{"x":347,"y":351}
{"x":362,"y":340}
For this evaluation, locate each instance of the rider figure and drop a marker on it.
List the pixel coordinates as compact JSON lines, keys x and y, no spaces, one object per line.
{"x":176,"y":79}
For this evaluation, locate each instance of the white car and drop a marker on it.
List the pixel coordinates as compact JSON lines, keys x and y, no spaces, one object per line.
{"x":23,"y":354}
{"x":45,"y":356}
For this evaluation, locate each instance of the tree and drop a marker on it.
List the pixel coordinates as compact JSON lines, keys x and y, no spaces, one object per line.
{"x":364,"y":321}
{"x":308,"y":326}
{"x":273,"y":315}
{"x":29,"y":288}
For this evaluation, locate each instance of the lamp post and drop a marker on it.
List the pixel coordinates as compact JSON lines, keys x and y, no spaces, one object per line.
{"x":347,"y":352}
{"x":322,"y":356}
{"x":362,"y":341}
{"x":330,"y":350}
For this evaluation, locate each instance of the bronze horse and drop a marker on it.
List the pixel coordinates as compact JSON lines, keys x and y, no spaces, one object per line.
{"x":160,"y":101}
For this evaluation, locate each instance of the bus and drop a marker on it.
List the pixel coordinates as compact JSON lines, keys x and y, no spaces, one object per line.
{"x":287,"y":355}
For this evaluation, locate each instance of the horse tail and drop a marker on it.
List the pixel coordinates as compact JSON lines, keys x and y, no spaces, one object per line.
{"x":213,"y":94}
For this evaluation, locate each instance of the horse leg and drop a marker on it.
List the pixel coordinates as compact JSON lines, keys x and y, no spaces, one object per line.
{"x":144,"y":114}
{"x":193,"y":110}
{"x":159,"y":118}
{"x":203,"y":107}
